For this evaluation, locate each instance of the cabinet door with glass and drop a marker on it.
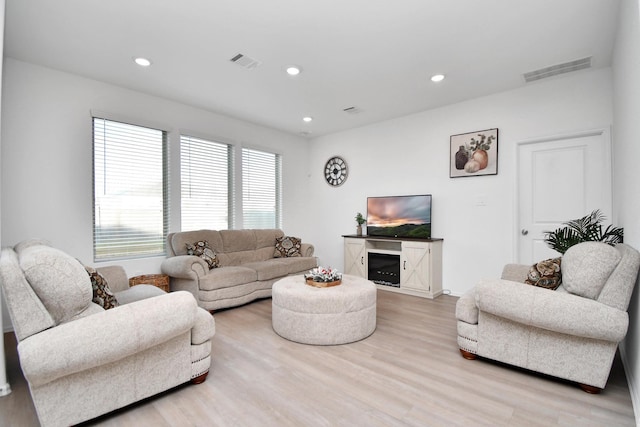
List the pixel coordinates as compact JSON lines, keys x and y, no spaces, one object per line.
{"x":355,"y":260}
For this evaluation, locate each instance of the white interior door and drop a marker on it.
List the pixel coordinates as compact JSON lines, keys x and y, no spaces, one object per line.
{"x":560,"y":179}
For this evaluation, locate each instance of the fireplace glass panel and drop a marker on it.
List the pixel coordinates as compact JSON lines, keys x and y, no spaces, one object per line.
{"x":384,"y":269}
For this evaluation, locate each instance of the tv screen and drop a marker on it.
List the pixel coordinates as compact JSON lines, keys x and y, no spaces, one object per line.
{"x":399,"y":216}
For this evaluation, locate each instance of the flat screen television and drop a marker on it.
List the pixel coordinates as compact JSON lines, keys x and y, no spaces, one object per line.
{"x":399,"y":216}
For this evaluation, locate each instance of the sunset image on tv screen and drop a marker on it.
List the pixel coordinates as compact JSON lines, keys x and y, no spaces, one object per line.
{"x":401,"y":216}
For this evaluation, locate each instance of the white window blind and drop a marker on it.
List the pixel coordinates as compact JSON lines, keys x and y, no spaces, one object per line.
{"x":130,"y":216}
{"x":206,"y":171}
{"x":261,"y":189}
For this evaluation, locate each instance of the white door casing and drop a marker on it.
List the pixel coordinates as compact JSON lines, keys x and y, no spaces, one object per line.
{"x":560,"y":178}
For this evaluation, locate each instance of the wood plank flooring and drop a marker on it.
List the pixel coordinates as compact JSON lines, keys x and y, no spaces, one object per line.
{"x":408,"y":373}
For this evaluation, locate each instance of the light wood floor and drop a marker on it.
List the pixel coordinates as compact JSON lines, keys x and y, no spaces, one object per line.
{"x":408,"y":373}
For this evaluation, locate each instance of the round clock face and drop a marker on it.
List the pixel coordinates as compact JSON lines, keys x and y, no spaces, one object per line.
{"x":335,"y":171}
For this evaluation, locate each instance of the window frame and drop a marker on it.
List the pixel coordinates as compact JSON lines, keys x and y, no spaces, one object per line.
{"x":277,"y":186}
{"x":160,"y":240}
{"x":187,"y":137}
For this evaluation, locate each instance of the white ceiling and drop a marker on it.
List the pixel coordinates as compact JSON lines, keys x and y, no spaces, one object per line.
{"x":377,"y":55}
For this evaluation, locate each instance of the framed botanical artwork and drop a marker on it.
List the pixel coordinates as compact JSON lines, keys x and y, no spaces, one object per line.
{"x":474,"y":154}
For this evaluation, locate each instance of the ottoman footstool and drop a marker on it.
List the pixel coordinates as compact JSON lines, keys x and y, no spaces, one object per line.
{"x":324,"y":316}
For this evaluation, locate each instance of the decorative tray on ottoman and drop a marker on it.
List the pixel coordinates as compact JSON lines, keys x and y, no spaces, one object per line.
{"x":311,"y":282}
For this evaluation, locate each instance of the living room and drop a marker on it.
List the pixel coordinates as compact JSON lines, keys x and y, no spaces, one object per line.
{"x":47,"y":160}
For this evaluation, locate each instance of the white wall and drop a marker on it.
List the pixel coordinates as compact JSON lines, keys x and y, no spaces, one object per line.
{"x":626,"y":150}
{"x":410,"y":155}
{"x":47,"y":155}
{"x":4,"y":386}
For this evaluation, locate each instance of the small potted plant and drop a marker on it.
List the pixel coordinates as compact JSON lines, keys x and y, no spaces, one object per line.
{"x":360,"y":220}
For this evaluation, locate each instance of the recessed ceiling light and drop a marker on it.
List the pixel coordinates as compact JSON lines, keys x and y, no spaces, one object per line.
{"x":143,"y":62}
{"x":437,"y":78}
{"x":307,"y":119}
{"x":294,"y":70}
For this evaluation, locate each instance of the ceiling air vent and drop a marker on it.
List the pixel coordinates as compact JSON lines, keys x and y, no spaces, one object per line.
{"x":554,"y":70}
{"x":352,"y":110}
{"x":245,"y":61}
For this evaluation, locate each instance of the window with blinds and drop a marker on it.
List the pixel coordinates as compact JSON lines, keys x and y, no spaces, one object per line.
{"x":261,"y":189}
{"x":206,"y":189}
{"x":130,"y":205}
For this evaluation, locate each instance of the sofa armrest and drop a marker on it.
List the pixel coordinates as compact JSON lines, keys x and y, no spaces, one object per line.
{"x":307,"y":249}
{"x":185,"y":267}
{"x":105,"y":337}
{"x":554,"y":311}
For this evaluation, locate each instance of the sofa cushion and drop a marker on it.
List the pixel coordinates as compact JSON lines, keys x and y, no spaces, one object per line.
{"x":102,"y":295}
{"x":29,"y":316}
{"x":268,"y":270}
{"x":299,"y":264}
{"x":238,"y":240}
{"x":243,"y":257}
{"x":587,"y":266}
{"x":227,"y":276}
{"x":545,"y":274}
{"x":202,"y":249}
{"x":267,"y":237}
{"x":178,"y":241}
{"x":138,"y":293}
{"x":287,"y":246}
{"x":59,"y":280}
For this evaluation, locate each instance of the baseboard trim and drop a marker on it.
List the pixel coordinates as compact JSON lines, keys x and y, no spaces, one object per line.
{"x":633,"y":390}
{"x":5,"y":389}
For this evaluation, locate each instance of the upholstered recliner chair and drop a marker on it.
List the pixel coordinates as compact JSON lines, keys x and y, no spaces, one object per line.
{"x":82,"y":361}
{"x":570,"y":333}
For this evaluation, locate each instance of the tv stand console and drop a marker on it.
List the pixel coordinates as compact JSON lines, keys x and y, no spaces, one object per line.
{"x":409,"y":266}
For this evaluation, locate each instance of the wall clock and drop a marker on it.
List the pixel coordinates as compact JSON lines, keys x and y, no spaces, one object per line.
{"x":335,"y":171}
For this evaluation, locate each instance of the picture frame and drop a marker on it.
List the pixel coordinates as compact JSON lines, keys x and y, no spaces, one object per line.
{"x":474,"y":153}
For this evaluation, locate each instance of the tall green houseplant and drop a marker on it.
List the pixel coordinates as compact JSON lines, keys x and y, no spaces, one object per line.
{"x":585,"y":229}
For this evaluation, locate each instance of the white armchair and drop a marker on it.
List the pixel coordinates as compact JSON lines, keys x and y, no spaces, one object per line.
{"x":570,"y":333}
{"x":82,"y":361}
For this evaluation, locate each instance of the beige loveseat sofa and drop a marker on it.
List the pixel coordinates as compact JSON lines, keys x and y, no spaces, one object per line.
{"x":570,"y":333}
{"x":247,"y":265}
{"x":82,"y":361}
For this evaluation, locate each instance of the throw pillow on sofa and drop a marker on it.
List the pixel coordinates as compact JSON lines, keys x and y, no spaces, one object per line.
{"x":287,"y":246}
{"x":203,"y":250}
{"x":102,"y":295}
{"x":545,"y":274}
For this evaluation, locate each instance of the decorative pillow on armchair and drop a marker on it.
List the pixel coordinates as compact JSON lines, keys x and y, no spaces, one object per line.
{"x":203,"y":250}
{"x":102,"y":295}
{"x":287,"y":246}
{"x":545,"y":274}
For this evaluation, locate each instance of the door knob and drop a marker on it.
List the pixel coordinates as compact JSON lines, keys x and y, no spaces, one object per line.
{"x":524,"y":232}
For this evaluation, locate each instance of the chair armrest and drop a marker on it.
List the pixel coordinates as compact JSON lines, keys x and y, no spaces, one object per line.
{"x":204,"y":328}
{"x":115,"y":276}
{"x":105,"y":337}
{"x":466,"y":309}
{"x":307,"y":249}
{"x":185,"y":267}
{"x":554,"y":311}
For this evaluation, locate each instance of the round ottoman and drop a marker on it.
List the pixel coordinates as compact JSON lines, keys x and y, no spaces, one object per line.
{"x":324,"y":316}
